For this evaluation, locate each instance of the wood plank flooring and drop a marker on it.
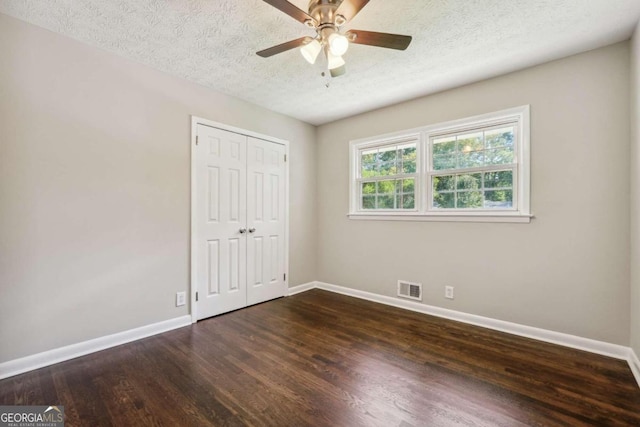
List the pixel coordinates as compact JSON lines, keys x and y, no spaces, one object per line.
{"x":322,"y":359}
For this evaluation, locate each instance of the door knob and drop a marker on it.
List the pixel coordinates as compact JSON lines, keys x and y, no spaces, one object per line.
{"x":252,"y":230}
{"x":242,"y":230}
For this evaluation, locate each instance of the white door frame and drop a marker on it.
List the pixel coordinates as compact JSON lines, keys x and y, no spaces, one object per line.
{"x":195,"y":121}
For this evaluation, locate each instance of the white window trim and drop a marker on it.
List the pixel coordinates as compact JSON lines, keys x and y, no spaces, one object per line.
{"x":521,"y":213}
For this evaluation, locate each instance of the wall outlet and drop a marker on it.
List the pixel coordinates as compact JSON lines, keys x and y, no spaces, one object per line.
{"x":448,"y":292}
{"x":181,"y":298}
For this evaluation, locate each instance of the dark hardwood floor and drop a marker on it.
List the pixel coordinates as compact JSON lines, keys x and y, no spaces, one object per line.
{"x":324,"y":359}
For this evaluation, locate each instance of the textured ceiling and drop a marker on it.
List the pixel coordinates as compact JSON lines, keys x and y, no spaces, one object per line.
{"x":213,"y":42}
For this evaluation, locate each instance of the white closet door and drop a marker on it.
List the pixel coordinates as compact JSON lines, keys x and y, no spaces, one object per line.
{"x":221,"y":217}
{"x":266,"y":214}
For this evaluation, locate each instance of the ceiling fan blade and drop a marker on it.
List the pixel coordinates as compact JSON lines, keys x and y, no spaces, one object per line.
{"x":291,"y":10}
{"x":274,"y":50}
{"x":350,"y":8}
{"x":391,"y":41}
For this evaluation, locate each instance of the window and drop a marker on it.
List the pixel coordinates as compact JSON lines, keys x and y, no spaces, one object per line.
{"x":472,"y":169}
{"x":387,"y":176}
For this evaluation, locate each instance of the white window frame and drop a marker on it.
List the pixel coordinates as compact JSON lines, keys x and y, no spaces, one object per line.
{"x":404,"y":139}
{"x":424,"y":192}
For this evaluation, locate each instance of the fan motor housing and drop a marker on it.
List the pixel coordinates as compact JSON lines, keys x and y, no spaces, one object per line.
{"x":323,"y":11}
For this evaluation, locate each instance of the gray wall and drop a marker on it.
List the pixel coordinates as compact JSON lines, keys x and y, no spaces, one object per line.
{"x":95,"y":189}
{"x":568,"y":270}
{"x":635,"y":192}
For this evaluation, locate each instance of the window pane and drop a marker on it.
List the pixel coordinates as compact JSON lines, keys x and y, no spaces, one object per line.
{"x":442,"y":162}
{"x":474,"y":149}
{"x":471,"y":159}
{"x":408,"y":152}
{"x":386,"y":187}
{"x":409,"y":166}
{"x":368,"y":162}
{"x":444,"y":200}
{"x":405,"y":201}
{"x":368,"y":188}
{"x":470,"y":142}
{"x":499,"y":179}
{"x":388,"y":161}
{"x":498,"y":156}
{"x":386,"y":202}
{"x":444,"y":146}
{"x":470,"y":199}
{"x":469,"y":182}
{"x":498,"y":199}
{"x":387,"y":154}
{"x":368,"y":157}
{"x":408,"y":186}
{"x":388,"y":168}
{"x":408,"y":202}
{"x":368,"y":172}
{"x":368,"y":202}
{"x":467,"y":191}
{"x":388,"y":194}
{"x":499,"y":137}
{"x":444,"y":183}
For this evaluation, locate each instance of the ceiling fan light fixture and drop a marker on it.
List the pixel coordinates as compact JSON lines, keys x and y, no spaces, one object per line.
{"x":337,"y":72}
{"x":338,"y":44}
{"x":311,"y":50}
{"x":334,"y":61}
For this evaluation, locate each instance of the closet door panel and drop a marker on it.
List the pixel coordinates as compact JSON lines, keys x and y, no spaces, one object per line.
{"x":221,"y":217}
{"x":266,"y":220}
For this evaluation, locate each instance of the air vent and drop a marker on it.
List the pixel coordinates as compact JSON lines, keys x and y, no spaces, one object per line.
{"x":410,"y":290}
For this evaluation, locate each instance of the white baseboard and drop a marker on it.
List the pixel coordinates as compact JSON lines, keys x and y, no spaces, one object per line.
{"x":57,"y":355}
{"x":572,"y":341}
{"x":301,"y":288}
{"x":634,"y":364}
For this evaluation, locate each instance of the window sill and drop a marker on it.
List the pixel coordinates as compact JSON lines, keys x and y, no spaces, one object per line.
{"x":484,"y":217}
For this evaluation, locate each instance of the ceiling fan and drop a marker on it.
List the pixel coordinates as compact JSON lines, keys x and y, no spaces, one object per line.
{"x":327,"y":17}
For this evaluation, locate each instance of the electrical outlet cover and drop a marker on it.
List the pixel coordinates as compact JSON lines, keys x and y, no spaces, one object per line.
{"x":448,"y":292}
{"x":181,"y":299}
